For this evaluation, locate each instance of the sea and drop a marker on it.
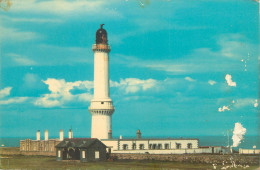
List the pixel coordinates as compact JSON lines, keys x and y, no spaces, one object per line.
{"x":247,"y":143}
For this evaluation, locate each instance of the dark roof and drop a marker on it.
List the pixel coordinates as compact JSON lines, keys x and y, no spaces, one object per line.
{"x":78,"y":143}
{"x":101,"y":35}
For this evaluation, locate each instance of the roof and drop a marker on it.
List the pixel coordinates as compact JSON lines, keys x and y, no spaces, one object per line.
{"x":101,"y":35}
{"x":78,"y":143}
{"x":134,"y":139}
{"x":213,"y":146}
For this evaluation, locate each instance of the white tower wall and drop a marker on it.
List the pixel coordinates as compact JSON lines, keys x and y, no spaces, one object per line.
{"x":101,"y":107}
{"x":101,"y":77}
{"x":101,"y":124}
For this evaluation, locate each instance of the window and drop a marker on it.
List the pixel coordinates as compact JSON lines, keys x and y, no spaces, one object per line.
{"x":178,"y":146}
{"x":83,"y":154}
{"x":166,"y":146}
{"x":159,"y":146}
{"x":102,"y":102}
{"x":96,"y":154}
{"x":141,"y":146}
{"x":134,"y":146}
{"x":59,"y":153}
{"x":150,"y":146}
{"x":189,"y":145}
{"x":154,"y":146}
{"x":125,"y":147}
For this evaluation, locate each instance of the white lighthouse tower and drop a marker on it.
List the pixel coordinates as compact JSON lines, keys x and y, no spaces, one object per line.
{"x":101,"y":107}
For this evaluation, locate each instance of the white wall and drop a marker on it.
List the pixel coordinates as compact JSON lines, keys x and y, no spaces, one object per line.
{"x":100,"y":126}
{"x":115,"y":144}
{"x":167,"y":151}
{"x":101,"y":75}
{"x":249,"y":151}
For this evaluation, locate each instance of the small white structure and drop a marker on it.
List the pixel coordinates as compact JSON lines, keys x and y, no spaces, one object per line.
{"x":38,"y":135}
{"x":61,"y":135}
{"x":46,"y":135}
{"x":70,"y":134}
{"x":101,"y":107}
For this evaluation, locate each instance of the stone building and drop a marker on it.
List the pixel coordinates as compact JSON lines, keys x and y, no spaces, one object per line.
{"x":83,"y":149}
{"x":38,"y":145}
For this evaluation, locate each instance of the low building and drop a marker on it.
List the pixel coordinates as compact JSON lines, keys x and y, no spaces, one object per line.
{"x":38,"y":145}
{"x":151,"y":145}
{"x":83,"y":149}
{"x":215,"y":149}
{"x":29,"y":145}
{"x":249,"y":151}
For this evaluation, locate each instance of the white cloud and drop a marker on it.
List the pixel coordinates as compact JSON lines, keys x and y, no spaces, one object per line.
{"x":60,"y":86}
{"x":48,"y":100}
{"x":14,"y":35}
{"x":229,"y":80}
{"x":5,"y":99}
{"x":244,"y":102}
{"x":62,"y":7}
{"x":36,"y":20}
{"x":31,"y":80}
{"x":256,"y":103}
{"x":61,"y":91}
{"x":223,"y":109}
{"x":21,"y":60}
{"x":226,"y":58}
{"x":212,"y":82}
{"x":238,"y":134}
{"x":84,"y":97}
{"x":61,"y":95}
{"x":30,"y":19}
{"x":189,"y":79}
{"x":133,"y":85}
{"x":13,"y":100}
{"x":5,"y":92}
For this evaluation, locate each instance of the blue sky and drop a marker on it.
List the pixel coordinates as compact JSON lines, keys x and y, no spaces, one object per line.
{"x":177,"y":68}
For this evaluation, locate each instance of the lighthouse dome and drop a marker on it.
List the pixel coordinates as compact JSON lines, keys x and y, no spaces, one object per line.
{"x":101,"y":35}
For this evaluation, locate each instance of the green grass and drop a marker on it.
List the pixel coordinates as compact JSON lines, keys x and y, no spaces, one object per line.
{"x":44,"y":162}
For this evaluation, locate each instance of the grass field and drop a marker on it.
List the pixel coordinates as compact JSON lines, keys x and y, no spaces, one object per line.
{"x":44,"y":162}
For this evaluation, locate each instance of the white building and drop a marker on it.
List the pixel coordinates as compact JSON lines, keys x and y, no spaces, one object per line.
{"x":102,"y":108}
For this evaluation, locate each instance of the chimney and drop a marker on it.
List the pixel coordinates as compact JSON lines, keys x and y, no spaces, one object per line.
{"x":70,"y":134}
{"x":38,"y":135}
{"x":61,"y":135}
{"x":138,"y":134}
{"x":46,"y":134}
{"x":120,"y":137}
{"x":110,"y":134}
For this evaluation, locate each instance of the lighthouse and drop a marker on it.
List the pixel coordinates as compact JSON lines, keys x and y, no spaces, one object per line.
{"x":101,"y":107}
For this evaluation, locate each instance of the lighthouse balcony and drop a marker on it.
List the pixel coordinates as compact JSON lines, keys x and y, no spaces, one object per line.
{"x":101,"y":47}
{"x":101,"y":111}
{"x":101,"y":107}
